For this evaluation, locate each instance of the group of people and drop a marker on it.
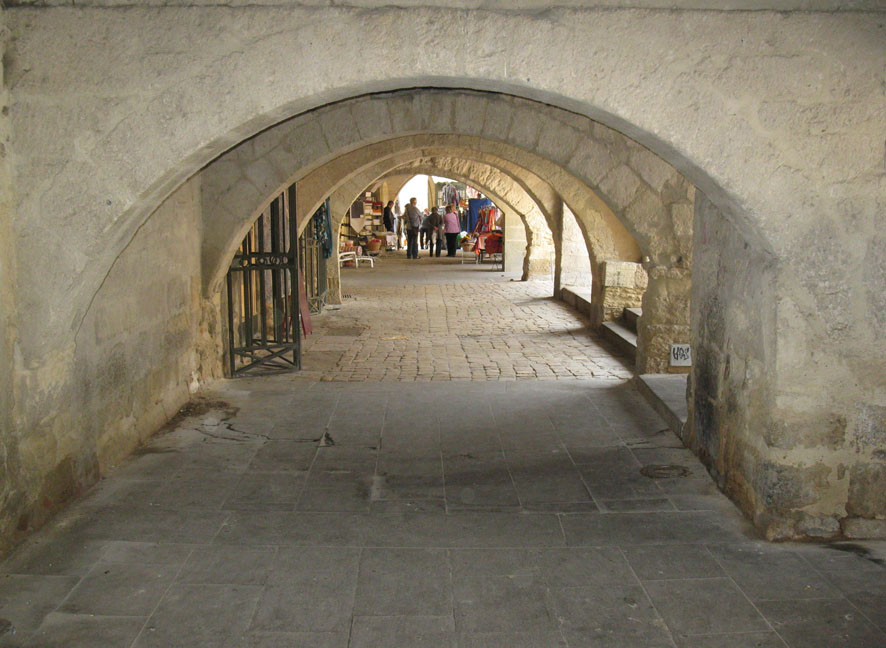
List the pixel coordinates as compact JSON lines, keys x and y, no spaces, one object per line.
{"x":431,"y":227}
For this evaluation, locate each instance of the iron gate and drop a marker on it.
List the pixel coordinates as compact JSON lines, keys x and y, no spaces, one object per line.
{"x":263,"y":299}
{"x":312,"y":258}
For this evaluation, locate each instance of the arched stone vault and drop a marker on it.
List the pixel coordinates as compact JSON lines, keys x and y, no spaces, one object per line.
{"x":519,"y":185}
{"x":538,"y":235}
{"x":513,"y":185}
{"x":395,"y":183}
{"x":540,"y":240}
{"x":632,"y":188}
{"x":776,"y":116}
{"x":605,"y":237}
{"x":643,"y":198}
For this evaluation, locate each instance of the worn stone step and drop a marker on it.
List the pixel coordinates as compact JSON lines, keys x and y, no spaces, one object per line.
{"x":630,"y":316}
{"x":624,"y":339}
{"x":577,"y":297}
{"x":666,"y":393}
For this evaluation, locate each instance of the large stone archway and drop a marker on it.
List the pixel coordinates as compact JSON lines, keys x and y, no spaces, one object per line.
{"x":496,"y":176}
{"x":773,"y":116}
{"x":500,"y":188}
{"x":633,"y":195}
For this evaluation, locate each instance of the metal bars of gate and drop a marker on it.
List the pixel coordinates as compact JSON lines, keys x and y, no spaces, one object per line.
{"x":262,"y":290}
{"x":313,"y":263}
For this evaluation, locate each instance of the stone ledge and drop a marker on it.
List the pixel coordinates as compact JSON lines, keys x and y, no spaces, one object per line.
{"x":623,"y":338}
{"x":578,"y":298}
{"x":666,"y":393}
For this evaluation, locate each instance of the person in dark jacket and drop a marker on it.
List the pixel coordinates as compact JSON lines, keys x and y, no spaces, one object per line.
{"x":388,"y":217}
{"x":435,"y":231}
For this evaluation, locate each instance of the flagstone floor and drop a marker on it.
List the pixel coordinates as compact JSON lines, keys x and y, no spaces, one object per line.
{"x":315,"y":512}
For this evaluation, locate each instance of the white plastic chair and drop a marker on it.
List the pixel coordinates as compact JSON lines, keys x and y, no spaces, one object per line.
{"x":344,"y":257}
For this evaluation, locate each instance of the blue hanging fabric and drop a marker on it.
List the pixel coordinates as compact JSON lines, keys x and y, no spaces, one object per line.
{"x":323,"y":229}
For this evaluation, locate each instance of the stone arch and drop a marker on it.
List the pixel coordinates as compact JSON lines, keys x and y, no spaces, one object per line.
{"x":629,"y":184}
{"x":495,"y":175}
{"x":533,"y":220}
{"x":605,"y":237}
{"x":791,"y":175}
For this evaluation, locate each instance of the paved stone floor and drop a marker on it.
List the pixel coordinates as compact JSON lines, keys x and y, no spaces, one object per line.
{"x":469,"y":514}
{"x":451,"y":321}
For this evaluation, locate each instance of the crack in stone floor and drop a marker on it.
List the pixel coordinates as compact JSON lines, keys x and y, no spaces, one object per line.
{"x":459,"y":514}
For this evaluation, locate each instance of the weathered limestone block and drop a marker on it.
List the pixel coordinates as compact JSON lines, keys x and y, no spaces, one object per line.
{"x":665,"y":319}
{"x":333,"y":279}
{"x":867,"y":497}
{"x":149,"y":340}
{"x":801,"y":459}
{"x":623,"y":285}
{"x":515,"y":242}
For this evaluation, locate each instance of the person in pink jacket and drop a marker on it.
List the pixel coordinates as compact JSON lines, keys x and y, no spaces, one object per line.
{"x":451,"y":228}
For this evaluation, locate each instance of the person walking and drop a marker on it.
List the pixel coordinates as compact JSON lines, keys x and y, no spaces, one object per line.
{"x":451,"y":228}
{"x":435,"y":231}
{"x":412,"y":217}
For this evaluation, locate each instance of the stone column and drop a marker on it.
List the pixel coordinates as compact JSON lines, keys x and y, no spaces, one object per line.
{"x":333,"y":278}
{"x":337,"y":211}
{"x":665,"y":319}
{"x":515,"y":242}
{"x":575,"y":265}
{"x":557,"y":234}
{"x":539,"y":246}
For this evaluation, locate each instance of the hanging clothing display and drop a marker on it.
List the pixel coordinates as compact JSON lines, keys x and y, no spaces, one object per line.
{"x":451,"y":194}
{"x":473,"y":213}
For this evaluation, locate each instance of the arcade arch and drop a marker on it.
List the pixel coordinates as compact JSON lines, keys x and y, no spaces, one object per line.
{"x":766,"y":171}
{"x":503,"y":192}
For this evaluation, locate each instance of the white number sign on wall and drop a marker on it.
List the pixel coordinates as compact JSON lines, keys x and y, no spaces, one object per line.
{"x":680,"y":355}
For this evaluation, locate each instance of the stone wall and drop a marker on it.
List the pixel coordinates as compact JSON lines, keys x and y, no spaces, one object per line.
{"x":623,"y":284}
{"x":815,"y":472}
{"x":10,"y":491}
{"x":783,"y":412}
{"x":575,"y":266}
{"x":515,"y":242}
{"x":148,"y":342}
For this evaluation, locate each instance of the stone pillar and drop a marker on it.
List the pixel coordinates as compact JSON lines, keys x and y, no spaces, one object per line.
{"x":515,"y":242}
{"x":9,"y":449}
{"x":665,"y":319}
{"x":557,"y":233}
{"x":539,"y":247}
{"x":337,"y":211}
{"x":575,"y":265}
{"x":333,"y":278}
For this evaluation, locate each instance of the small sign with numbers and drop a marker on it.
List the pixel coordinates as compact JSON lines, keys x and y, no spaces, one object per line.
{"x":680,"y":355}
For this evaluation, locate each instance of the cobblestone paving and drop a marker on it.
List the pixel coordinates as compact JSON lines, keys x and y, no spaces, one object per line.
{"x":440,"y":320}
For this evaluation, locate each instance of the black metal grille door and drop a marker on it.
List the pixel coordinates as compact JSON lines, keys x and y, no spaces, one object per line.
{"x":312,"y":261}
{"x":263,"y":309}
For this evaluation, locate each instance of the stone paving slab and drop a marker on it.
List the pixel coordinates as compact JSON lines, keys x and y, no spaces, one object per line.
{"x":477,"y":486}
{"x":549,"y":553}
{"x":437,"y":320}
